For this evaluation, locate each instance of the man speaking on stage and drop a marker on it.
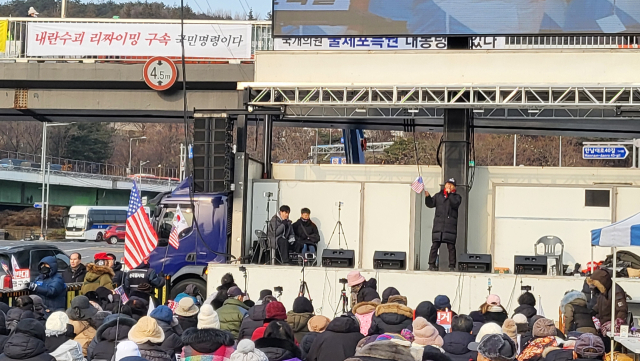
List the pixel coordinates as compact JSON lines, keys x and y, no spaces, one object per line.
{"x":445,"y":222}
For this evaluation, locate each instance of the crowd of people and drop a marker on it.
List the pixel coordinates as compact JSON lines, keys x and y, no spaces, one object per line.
{"x":227,"y":325}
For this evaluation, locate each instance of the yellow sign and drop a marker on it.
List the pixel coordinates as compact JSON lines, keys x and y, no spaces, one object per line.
{"x":4,"y":25}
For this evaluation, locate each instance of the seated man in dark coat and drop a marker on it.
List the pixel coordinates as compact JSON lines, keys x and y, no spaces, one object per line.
{"x":306,"y":232}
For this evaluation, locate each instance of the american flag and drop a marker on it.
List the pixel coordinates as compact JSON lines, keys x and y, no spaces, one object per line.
{"x":417,"y":185}
{"x":140,"y":238}
{"x":179,"y":224}
{"x":123,"y":296}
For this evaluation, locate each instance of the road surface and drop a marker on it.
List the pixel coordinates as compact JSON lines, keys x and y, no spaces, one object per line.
{"x":86,"y":249}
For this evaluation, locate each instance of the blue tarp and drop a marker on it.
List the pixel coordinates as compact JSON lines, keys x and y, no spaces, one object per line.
{"x":621,"y":234}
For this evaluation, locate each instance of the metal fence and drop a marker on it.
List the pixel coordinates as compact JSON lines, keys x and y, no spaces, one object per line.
{"x":572,"y":42}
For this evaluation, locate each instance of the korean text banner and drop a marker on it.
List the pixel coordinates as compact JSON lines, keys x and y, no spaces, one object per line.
{"x":454,"y":17}
{"x":111,"y":39}
{"x":348,"y":43}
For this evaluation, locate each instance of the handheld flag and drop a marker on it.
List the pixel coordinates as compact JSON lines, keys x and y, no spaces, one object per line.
{"x":418,"y":185}
{"x":123,"y":295}
{"x":140,"y":238}
{"x":179,"y":225}
{"x":14,"y":263}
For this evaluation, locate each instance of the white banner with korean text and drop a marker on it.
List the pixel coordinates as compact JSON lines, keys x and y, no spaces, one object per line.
{"x":359,"y":43}
{"x":217,"y":41}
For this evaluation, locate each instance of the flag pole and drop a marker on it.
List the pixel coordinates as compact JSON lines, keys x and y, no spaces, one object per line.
{"x":415,"y":146}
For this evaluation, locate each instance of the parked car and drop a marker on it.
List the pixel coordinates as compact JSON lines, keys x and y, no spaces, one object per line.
{"x":28,"y":256}
{"x":114,"y":234}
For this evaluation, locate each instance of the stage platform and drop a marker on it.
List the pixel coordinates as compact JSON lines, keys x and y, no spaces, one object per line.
{"x":467,"y":291}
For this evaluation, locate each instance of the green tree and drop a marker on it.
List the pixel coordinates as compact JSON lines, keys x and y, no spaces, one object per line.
{"x":91,"y":142}
{"x":250,"y":15}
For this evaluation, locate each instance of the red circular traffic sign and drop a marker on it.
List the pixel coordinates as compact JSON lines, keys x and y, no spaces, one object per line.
{"x":160,"y":73}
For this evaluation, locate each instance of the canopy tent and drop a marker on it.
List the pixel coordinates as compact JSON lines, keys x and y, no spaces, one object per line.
{"x":624,"y":233}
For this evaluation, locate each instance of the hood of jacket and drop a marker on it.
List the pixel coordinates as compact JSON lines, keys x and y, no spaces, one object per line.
{"x":298,"y":321}
{"x":527,"y":310}
{"x":364,"y":308}
{"x":573,"y":297}
{"x":94,"y":272}
{"x":386,"y":350}
{"x":112,"y":321}
{"x":601,"y":279}
{"x":457,"y":342}
{"x":27,"y":341}
{"x":52,"y":262}
{"x":343,"y":324}
{"x":206,"y":340}
{"x":394,"y":308}
{"x":257,"y":312}
{"x":278,"y":349}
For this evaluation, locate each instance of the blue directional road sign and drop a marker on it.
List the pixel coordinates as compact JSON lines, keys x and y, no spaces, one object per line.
{"x":37,"y":205}
{"x":604,"y":152}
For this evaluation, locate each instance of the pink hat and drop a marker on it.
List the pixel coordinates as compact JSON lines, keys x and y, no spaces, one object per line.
{"x":354,"y":278}
{"x":493,"y":300}
{"x":425,"y":334}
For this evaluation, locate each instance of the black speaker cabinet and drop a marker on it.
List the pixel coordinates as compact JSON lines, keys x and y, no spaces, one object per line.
{"x":474,"y":263}
{"x":341,"y":258}
{"x":530,"y":265}
{"x":389,"y":260}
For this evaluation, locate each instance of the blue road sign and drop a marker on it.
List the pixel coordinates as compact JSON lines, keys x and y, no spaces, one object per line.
{"x":37,"y":205}
{"x":190,"y":151}
{"x":604,"y":152}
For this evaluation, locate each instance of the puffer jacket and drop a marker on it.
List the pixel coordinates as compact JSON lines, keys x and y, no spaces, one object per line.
{"x":102,"y":346}
{"x":186,"y":322}
{"x":298,"y":323}
{"x":306,"y":343}
{"x":601,"y":280}
{"x":172,"y":336}
{"x":27,"y":343}
{"x":277,"y":349}
{"x":68,"y":351}
{"x":208,"y":344}
{"x":576,"y":315}
{"x":155,"y":352}
{"x":456,"y":346}
{"x":364,"y":312}
{"x":383,"y":351}
{"x":254,"y":320}
{"x":391,"y":318}
{"x":56,"y":338}
{"x":97,"y":276}
{"x":337,"y":342}
{"x":231,"y":314}
{"x":51,"y":287}
{"x":84,"y":334}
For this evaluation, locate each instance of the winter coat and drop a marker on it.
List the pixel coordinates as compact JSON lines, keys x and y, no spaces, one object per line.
{"x":97,"y":276}
{"x":337,"y":342}
{"x":279,"y":228}
{"x":557,"y":354}
{"x":221,"y":294}
{"x":155,"y":352}
{"x":102,"y":346}
{"x":456,"y":346}
{"x":254,"y":320}
{"x":186,"y":322}
{"x":278,"y":349}
{"x":118,"y":274}
{"x":601,"y":280}
{"x":68,"y":351}
{"x":383,"y":351}
{"x":71,"y":276}
{"x":51,"y":287}
{"x":231,"y":314}
{"x":445,"y":220}
{"x":306,"y":232}
{"x":533,"y":351}
{"x":527,"y":310}
{"x":306,"y":343}
{"x":55,"y":339}
{"x":391,"y":318}
{"x":207,"y":344}
{"x":15,"y":315}
{"x":27,"y":343}
{"x":172,"y":336}
{"x":298,"y":323}
{"x":495,"y":317}
{"x":84,"y":334}
{"x":576,"y":315}
{"x":364,"y":312}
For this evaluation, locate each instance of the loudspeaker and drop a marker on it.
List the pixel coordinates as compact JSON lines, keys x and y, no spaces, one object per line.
{"x":341,"y":258}
{"x":389,"y":260}
{"x":530,"y":265}
{"x":212,"y":154}
{"x":474,"y":263}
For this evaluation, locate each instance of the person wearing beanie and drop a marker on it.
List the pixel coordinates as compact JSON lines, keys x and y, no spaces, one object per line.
{"x":577,"y":317}
{"x":527,"y":304}
{"x":27,"y":343}
{"x":99,"y":274}
{"x":316,"y":326}
{"x":149,"y":337}
{"x":274,"y":311}
{"x":170,"y":327}
{"x":49,"y":285}
{"x":233,"y":311}
{"x":226,"y":283}
{"x":246,"y":351}
{"x":126,"y":350}
{"x":299,"y":316}
{"x":442,"y":303}
{"x":337,"y":342}
{"x":510,"y":329}
{"x":425,"y":334}
{"x":390,"y":318}
{"x":278,"y":343}
{"x":388,"y":292}
{"x":102,"y":346}
{"x":428,"y":311}
{"x":365,"y":310}
{"x":456,"y":343}
{"x":207,"y":340}
{"x":255,"y":316}
{"x":496,"y":348}
{"x":80,"y":316}
{"x":544,"y":336}
{"x":187,"y":313}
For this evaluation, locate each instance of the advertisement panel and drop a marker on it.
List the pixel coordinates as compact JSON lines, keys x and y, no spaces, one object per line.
{"x":454,"y":17}
{"x":349,"y":43}
{"x":124,"y":39}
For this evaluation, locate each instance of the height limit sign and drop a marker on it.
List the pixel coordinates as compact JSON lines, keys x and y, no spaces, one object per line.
{"x":160,"y":73}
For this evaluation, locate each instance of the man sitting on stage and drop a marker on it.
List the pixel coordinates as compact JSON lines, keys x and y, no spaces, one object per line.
{"x":280,"y":234}
{"x":306,"y":232}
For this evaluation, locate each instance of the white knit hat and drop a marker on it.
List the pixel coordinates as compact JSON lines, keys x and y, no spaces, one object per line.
{"x":126,"y":349}
{"x":486,"y":329}
{"x":246,"y":351}
{"x":520,"y":318}
{"x":57,"y":321}
{"x":208,"y":318}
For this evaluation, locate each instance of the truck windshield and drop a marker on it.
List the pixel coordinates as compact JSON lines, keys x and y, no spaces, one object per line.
{"x":75,"y":222}
{"x":165,"y":223}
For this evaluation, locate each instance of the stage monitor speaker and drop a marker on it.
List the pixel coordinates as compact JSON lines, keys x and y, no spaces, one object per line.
{"x":212,"y":154}
{"x":340,"y":258}
{"x":474,"y":263}
{"x":530,"y":265}
{"x":389,"y":260}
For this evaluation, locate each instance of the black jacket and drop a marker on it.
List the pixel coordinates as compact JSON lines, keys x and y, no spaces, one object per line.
{"x":71,"y":276}
{"x":527,"y":310}
{"x":155,"y":352}
{"x":119,"y":275}
{"x":206,"y":340}
{"x":456,"y":346}
{"x":337,"y":342}
{"x":278,"y":349}
{"x":391,"y":318}
{"x":102,"y":345}
{"x":254,"y":320}
{"x":187,"y":322}
{"x":54,"y":340}
{"x":221,"y":295}
{"x":306,"y":232}
{"x":495,"y":317}
{"x":445,"y":221}
{"x":172,"y":336}
{"x":559,"y":355}
{"x":27,"y":343}
{"x":306,"y":343}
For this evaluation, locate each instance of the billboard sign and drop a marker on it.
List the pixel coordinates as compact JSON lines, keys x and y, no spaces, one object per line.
{"x":350,"y":43}
{"x":454,"y":17}
{"x":604,"y":152}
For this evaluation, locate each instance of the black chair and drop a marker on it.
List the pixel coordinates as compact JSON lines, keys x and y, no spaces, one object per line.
{"x":261,"y":248}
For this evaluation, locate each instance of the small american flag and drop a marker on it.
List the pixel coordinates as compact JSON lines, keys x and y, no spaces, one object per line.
{"x":179,"y":224}
{"x":123,"y":296}
{"x":417,"y":185}
{"x":140,"y":238}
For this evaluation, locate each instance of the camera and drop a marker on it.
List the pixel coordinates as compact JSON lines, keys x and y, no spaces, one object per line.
{"x":243,"y":269}
{"x":267,"y":194}
{"x":278,"y":289}
{"x":343,"y":281}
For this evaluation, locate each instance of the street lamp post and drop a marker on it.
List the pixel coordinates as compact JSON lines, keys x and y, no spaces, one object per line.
{"x":130,"y":143}
{"x":141,"y":164}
